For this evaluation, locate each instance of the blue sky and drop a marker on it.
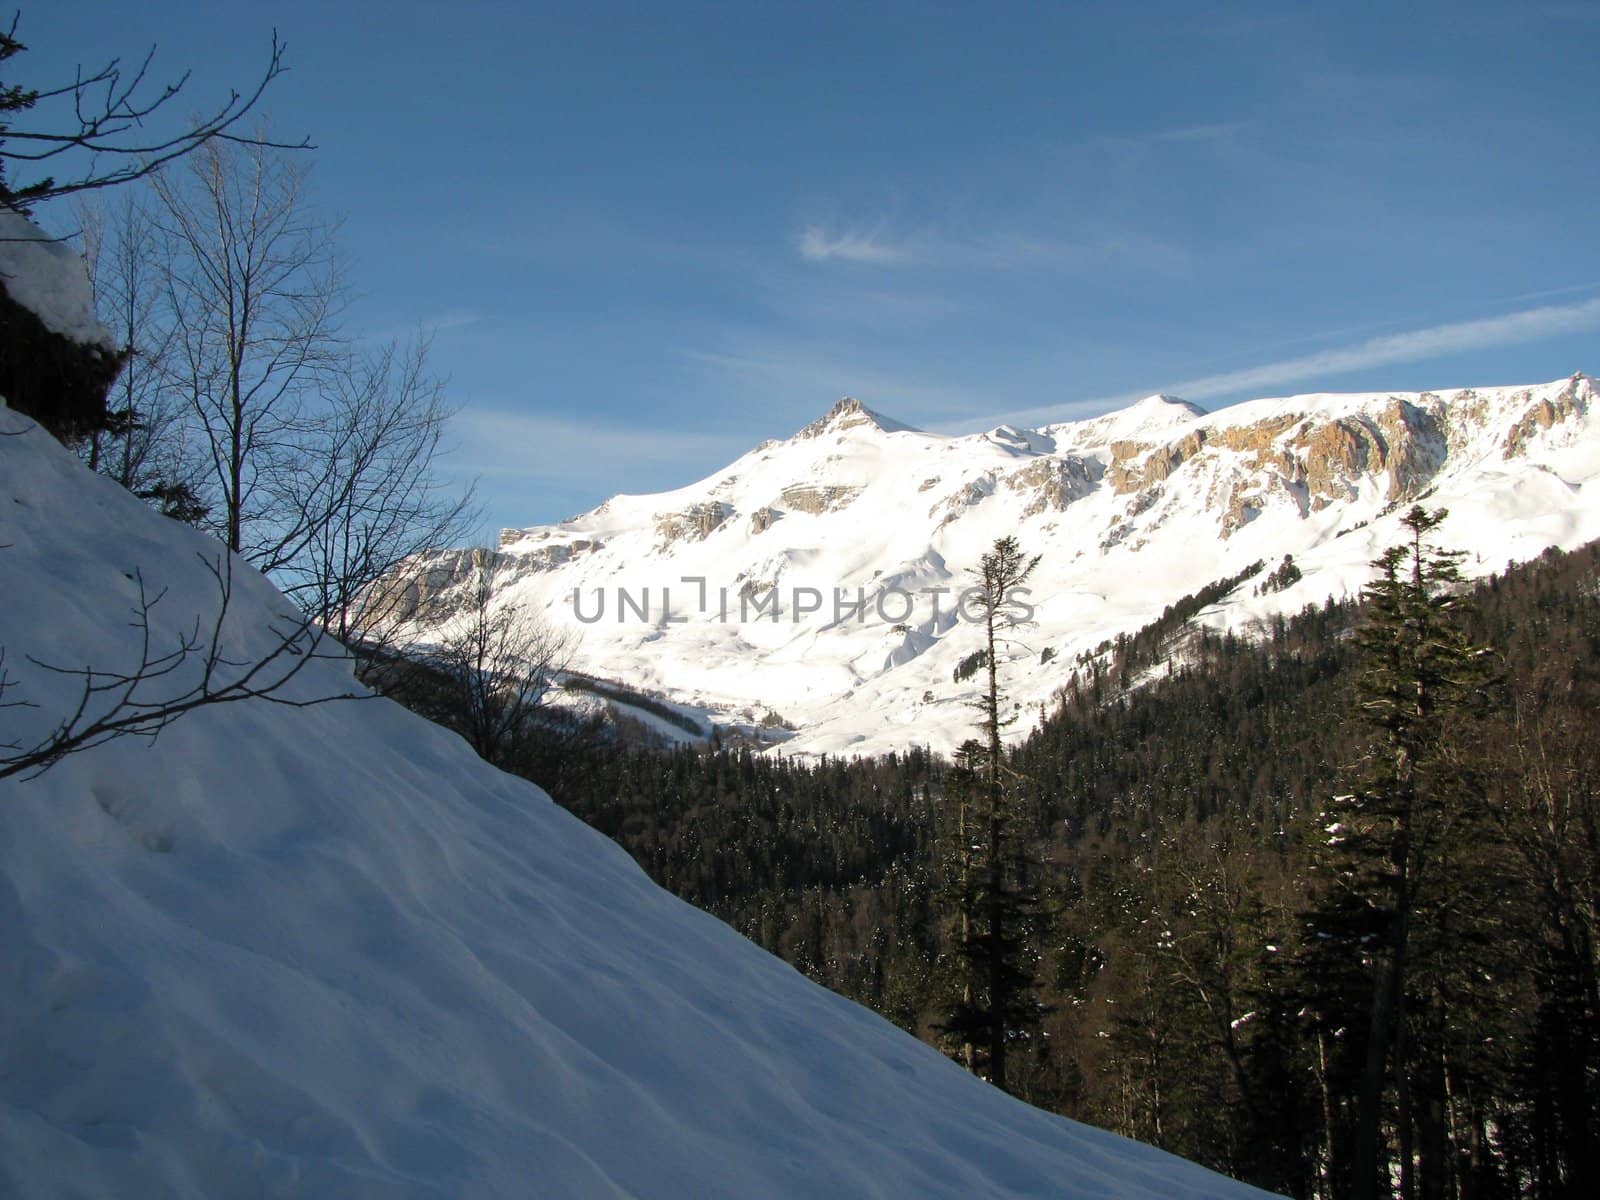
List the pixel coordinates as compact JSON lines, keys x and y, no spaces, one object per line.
{"x":647,"y":236}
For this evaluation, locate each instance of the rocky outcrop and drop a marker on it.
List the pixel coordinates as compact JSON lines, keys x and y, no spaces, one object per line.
{"x":1054,"y":483}
{"x":762,"y":519}
{"x":808,"y":498}
{"x":695,"y":523}
{"x":426,"y":589}
{"x":532,"y":550}
{"x":974,"y":491}
{"x":1571,"y":401}
{"x":1135,"y":466}
{"x":1243,"y":506}
{"x":1415,"y":448}
{"x":1402,"y":443}
{"x":1334,"y":455}
{"x":547,"y":558}
{"x":1258,"y":439}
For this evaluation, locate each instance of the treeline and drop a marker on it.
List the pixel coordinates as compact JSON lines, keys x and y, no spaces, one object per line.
{"x":1209,"y":948}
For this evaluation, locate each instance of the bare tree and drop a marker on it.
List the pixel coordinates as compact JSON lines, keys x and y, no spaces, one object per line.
{"x":496,"y":663}
{"x":370,"y":490}
{"x":103,"y":125}
{"x":141,"y":445}
{"x":255,"y":299}
{"x":319,"y":457}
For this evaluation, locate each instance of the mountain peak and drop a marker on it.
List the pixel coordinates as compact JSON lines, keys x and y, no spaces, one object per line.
{"x":1163,"y":403}
{"x":850,"y":413}
{"x":1150,"y":417}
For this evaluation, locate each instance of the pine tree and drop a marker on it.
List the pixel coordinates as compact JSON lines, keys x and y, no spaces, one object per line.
{"x":13,"y":98}
{"x":959,"y":870}
{"x":1392,"y":911}
{"x":998,"y":886}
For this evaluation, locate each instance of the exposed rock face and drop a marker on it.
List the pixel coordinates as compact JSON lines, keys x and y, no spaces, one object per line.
{"x":849,"y":413}
{"x":972,"y":492}
{"x":1244,"y":505}
{"x":1415,"y":448}
{"x":1257,"y":439}
{"x":426,"y":588}
{"x":530,"y":555}
{"x":811,"y":499}
{"x":1322,"y":461}
{"x":694,"y":523}
{"x":1335,"y":454}
{"x":547,"y":558}
{"x":1573,"y":401}
{"x":761,"y":520}
{"x":1136,"y":466}
{"x":1055,"y":482}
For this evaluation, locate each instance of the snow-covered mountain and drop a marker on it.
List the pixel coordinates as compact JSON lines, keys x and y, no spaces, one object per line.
{"x":675,"y":593}
{"x":328,"y":952}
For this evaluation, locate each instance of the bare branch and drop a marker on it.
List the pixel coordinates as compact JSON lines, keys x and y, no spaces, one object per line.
{"x":168,"y":683}
{"x":109,"y":110}
{"x":489,"y":674}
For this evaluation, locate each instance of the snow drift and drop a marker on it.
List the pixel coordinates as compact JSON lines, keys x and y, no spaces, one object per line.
{"x":326,"y":952}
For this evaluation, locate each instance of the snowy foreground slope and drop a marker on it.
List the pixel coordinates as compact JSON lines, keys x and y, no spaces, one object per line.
{"x":1131,"y":511}
{"x":326,"y":952}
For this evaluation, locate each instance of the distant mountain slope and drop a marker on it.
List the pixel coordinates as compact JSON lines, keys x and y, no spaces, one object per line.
{"x":326,"y":952}
{"x":676,"y":591}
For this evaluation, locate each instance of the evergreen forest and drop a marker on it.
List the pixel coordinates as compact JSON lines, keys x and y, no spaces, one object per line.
{"x":1313,"y":903}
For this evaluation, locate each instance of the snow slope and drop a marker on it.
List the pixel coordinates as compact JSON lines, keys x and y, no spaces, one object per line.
{"x":1130,"y":511}
{"x":326,"y":952}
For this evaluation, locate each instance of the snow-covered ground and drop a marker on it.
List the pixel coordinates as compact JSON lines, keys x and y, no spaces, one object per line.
{"x":1130,"y":511}
{"x":326,"y":952}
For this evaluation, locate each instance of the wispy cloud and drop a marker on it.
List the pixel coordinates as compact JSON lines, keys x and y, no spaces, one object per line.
{"x":498,"y":444}
{"x":1416,"y":345}
{"x":1211,"y":134}
{"x":817,"y":244}
{"x":1003,"y":251}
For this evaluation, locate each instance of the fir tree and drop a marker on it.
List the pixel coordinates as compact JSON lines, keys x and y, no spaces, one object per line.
{"x":998,"y":884}
{"x":1392,"y":889}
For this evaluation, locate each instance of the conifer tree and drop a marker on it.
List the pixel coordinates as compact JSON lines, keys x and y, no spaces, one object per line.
{"x":998,"y":890}
{"x":1393,"y":897}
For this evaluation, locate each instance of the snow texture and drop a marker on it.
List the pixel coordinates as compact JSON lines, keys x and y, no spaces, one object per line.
{"x":327,"y":952}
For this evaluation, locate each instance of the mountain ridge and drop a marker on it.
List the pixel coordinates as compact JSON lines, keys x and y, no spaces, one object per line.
{"x":1130,"y":510}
